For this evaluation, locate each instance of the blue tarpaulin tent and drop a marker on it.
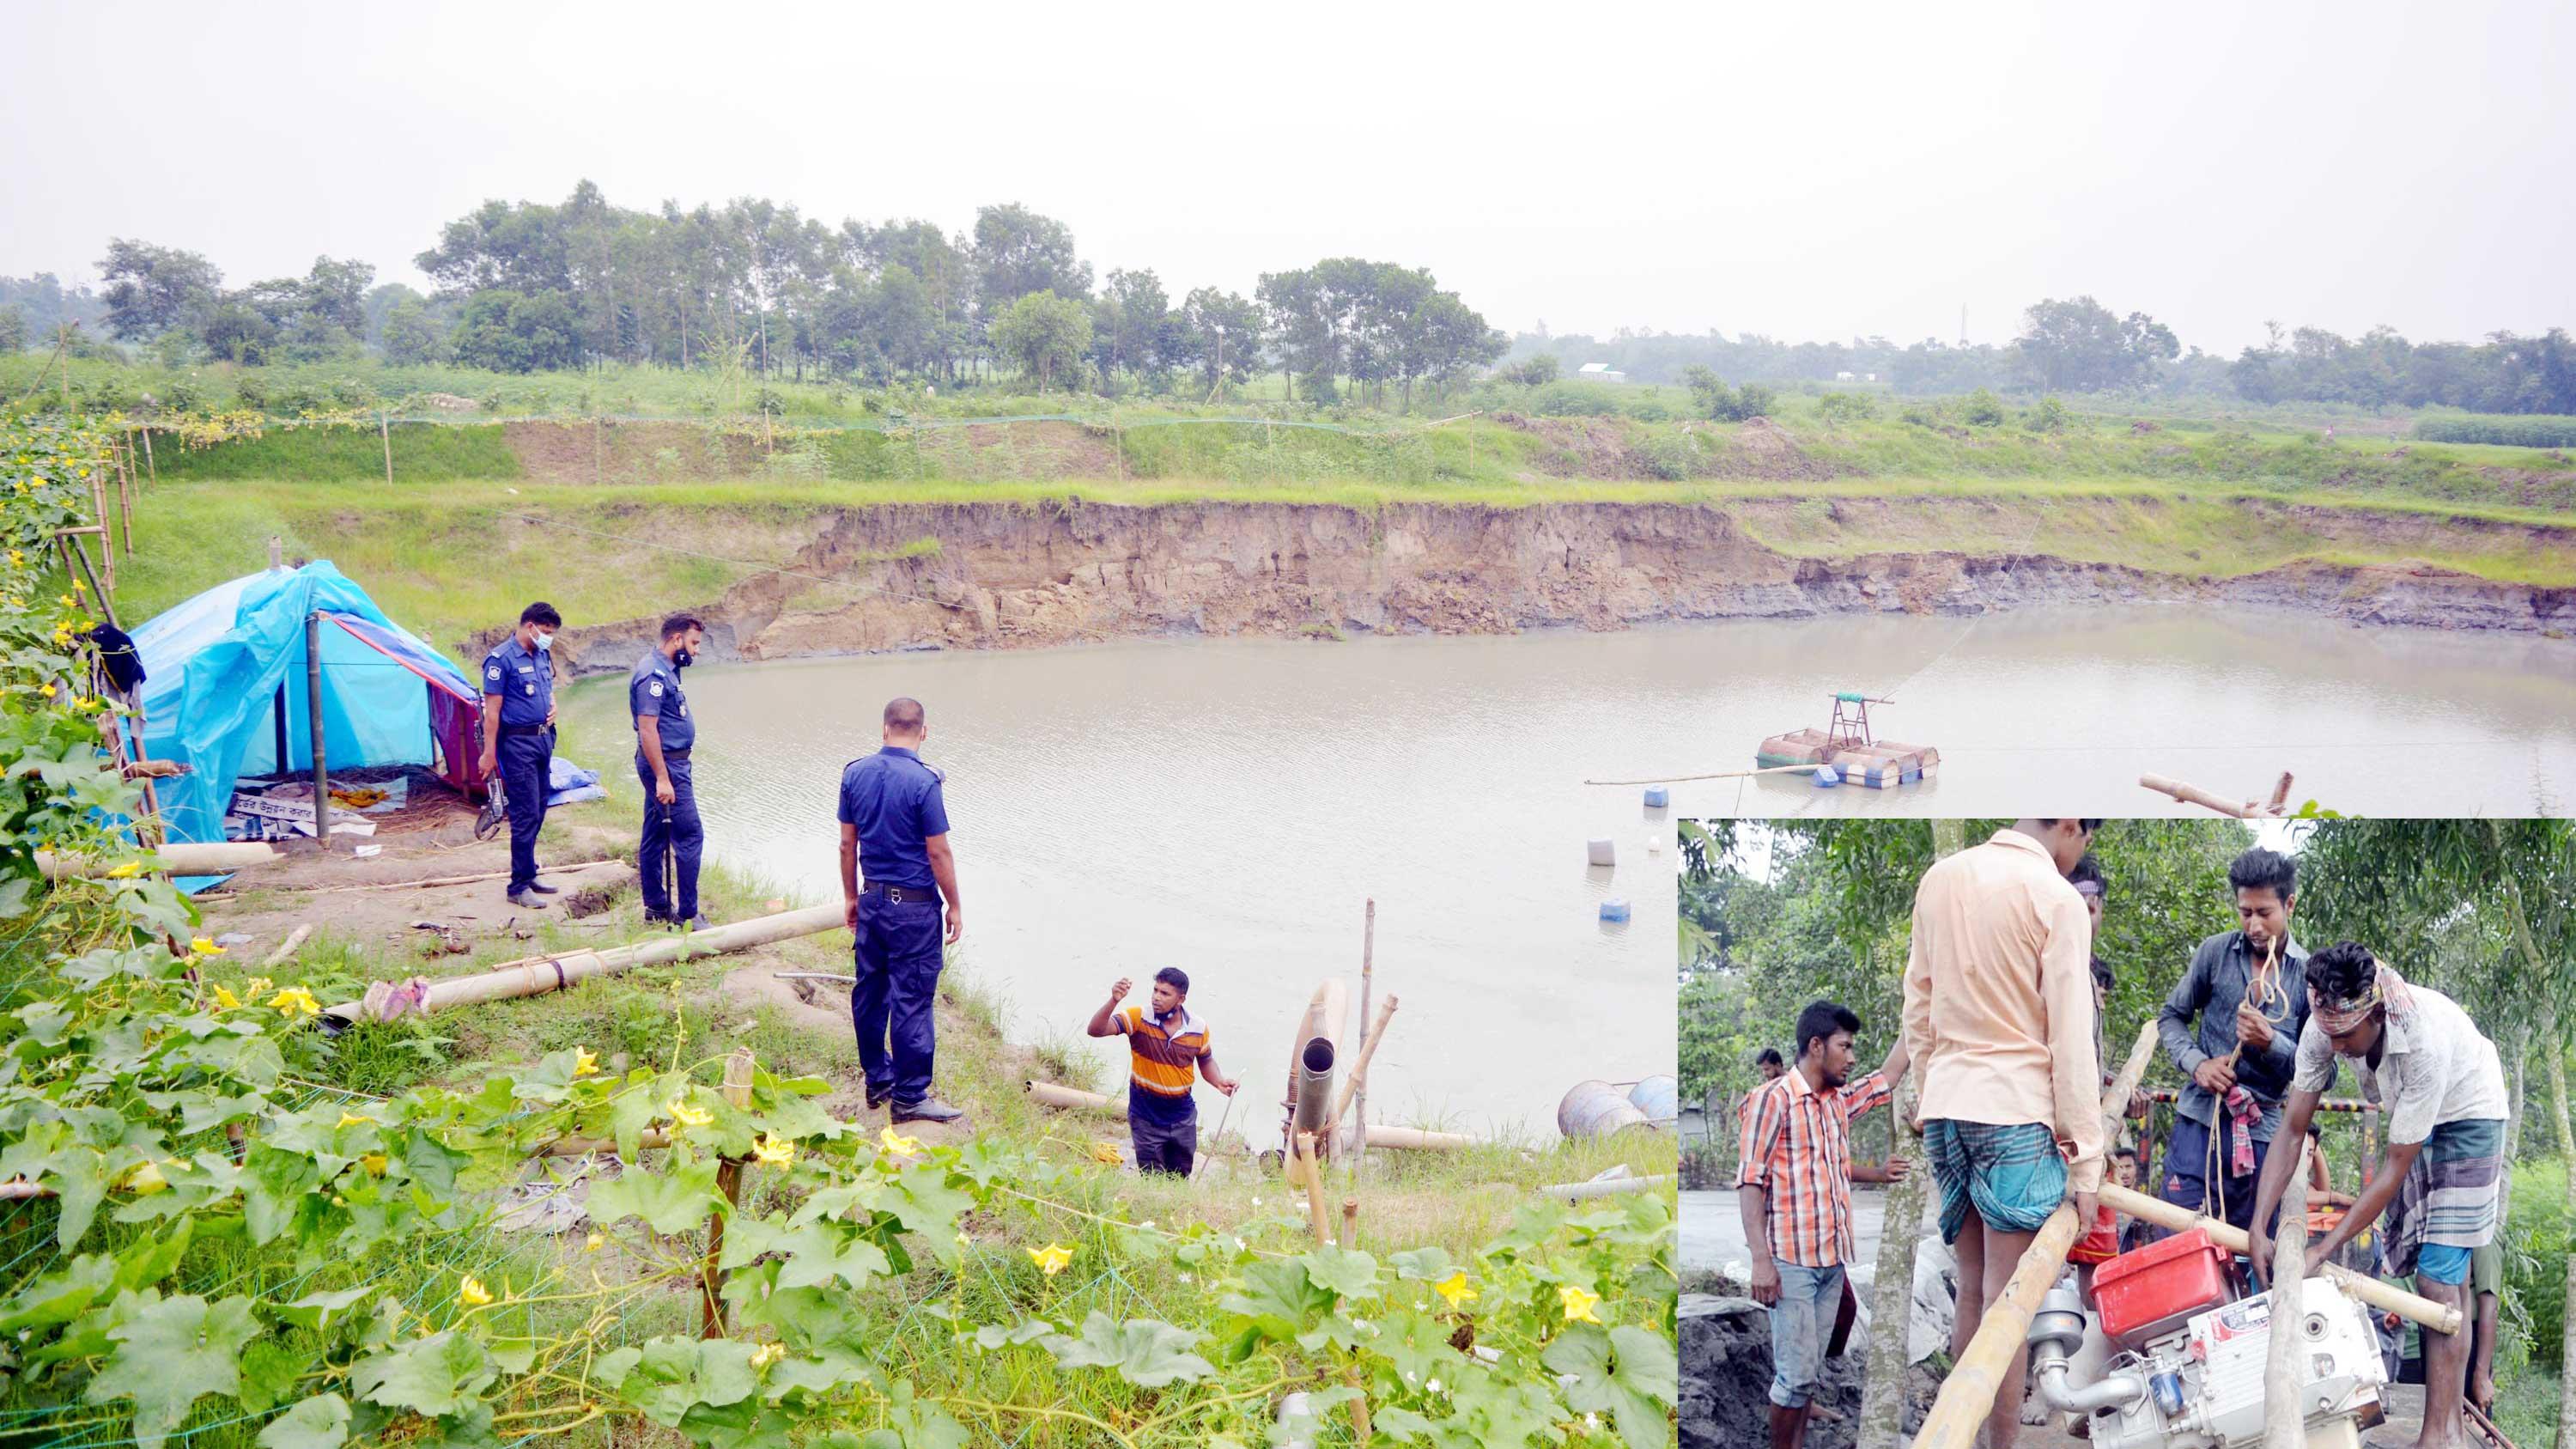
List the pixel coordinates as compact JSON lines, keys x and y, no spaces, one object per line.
{"x":225,"y":692}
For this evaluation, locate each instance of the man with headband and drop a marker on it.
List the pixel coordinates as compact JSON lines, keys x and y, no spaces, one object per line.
{"x":2438,"y":1082}
{"x":2248,"y":987}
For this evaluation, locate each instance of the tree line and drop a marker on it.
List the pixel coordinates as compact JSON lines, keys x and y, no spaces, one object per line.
{"x":530,"y":287}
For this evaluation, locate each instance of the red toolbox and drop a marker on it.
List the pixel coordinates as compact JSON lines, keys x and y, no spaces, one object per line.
{"x":2147,"y":1294}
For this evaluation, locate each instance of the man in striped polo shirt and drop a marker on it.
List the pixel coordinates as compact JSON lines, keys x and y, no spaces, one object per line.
{"x":1167,"y":1049}
{"x":1794,"y":1185}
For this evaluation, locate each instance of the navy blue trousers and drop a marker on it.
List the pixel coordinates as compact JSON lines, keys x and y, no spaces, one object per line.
{"x":671,"y":829}
{"x":1164,"y":1129}
{"x":898,"y":959}
{"x":2187,"y":1171}
{"x":525,"y":760}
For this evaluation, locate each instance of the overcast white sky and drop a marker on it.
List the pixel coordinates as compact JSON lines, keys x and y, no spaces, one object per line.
{"x":1805,"y":170}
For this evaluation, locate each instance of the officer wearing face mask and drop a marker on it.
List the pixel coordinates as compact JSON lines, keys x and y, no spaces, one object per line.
{"x":664,"y":734}
{"x":519,"y":739}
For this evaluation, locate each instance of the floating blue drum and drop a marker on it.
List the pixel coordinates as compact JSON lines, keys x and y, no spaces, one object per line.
{"x":1657,"y":797}
{"x":1614,"y":909}
{"x":1827,"y":777}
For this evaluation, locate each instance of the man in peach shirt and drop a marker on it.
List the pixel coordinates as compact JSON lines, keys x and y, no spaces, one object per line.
{"x":1999,"y":1016}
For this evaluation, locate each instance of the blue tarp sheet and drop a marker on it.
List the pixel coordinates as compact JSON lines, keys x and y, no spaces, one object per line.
{"x":219,"y":666}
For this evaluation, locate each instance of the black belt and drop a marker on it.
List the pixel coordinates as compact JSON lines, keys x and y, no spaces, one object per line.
{"x":900,"y":894}
{"x":678,"y":754}
{"x":510,"y":732}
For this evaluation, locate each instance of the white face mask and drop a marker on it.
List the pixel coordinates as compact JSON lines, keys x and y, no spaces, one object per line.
{"x":545,"y":640}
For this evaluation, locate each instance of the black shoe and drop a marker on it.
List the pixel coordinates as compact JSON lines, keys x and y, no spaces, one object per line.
{"x":657,"y":918}
{"x":928,"y":1109}
{"x":878,"y":1099}
{"x":545,"y":890}
{"x":525,"y":901}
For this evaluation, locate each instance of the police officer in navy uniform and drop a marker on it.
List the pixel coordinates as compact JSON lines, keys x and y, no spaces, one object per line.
{"x":664,"y":734}
{"x":895,"y":823}
{"x":519,"y":739}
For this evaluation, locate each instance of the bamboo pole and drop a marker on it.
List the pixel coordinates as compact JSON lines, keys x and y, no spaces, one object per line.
{"x":1968,"y":1394}
{"x":618,"y":872}
{"x":278,"y":957}
{"x":1354,"y":1082}
{"x":2168,"y":1096}
{"x":2414,"y":1308}
{"x":176,"y":858}
{"x":1368,"y":977}
{"x":737,"y":1091}
{"x":385,"y":435}
{"x":151,"y":469}
{"x":1720,"y":775}
{"x":2194,"y":795}
{"x":538,"y":974}
{"x":1314,"y":1187}
{"x":1380,"y":1134}
{"x":2285,"y":1425}
{"x":1350,"y":1223}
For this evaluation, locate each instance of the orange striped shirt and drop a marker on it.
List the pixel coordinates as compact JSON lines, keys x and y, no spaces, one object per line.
{"x":1162,"y":1057}
{"x":1797,"y":1146}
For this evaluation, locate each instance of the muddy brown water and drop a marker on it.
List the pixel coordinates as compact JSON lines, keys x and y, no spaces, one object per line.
{"x":1228,"y":808}
{"x":1227,"y":805}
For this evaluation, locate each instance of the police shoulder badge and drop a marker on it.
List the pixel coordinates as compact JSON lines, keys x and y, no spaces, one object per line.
{"x":656,"y":687}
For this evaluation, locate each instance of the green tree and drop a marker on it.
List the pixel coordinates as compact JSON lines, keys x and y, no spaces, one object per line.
{"x":152,"y":289}
{"x":1018,"y":252}
{"x":509,"y":332}
{"x":1045,"y":334}
{"x":1219,"y":337}
{"x":13,"y":330}
{"x":2077,"y":345}
{"x":409,"y":339}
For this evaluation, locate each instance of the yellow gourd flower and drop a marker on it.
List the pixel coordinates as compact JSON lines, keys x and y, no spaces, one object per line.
{"x":767,"y":1354}
{"x":1103,"y":1150}
{"x":774,"y":1151}
{"x":256,"y":987}
{"x":146,"y":1178}
{"x":225,"y":999}
{"x":1455,"y":1289}
{"x":686,"y":1115}
{"x":127,"y":871}
{"x":585,"y":1062}
{"x":895,"y":1142}
{"x":352,"y":1119}
{"x":1578,"y":1304}
{"x":49,"y":689}
{"x":593,"y":1243}
{"x":295,"y":1002}
{"x":203,"y":947}
{"x":374,"y":1163}
{"x":472,"y":1293}
{"x":1051,"y":1258}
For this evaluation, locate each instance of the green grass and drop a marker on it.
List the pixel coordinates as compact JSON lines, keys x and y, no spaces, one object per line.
{"x":422,"y":453}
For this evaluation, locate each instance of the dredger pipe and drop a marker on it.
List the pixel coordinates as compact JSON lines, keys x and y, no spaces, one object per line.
{"x":1314,"y":1085}
{"x":173,"y":858}
{"x":1073,"y":1099}
{"x":536,"y":975}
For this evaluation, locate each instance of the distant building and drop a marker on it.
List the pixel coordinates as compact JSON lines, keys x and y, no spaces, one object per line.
{"x":1869,"y":377}
{"x":1842,"y":377}
{"x":1599,"y":372}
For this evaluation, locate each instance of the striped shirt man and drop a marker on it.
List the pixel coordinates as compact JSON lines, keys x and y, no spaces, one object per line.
{"x":1797,"y":1147}
{"x":1163,"y":1052}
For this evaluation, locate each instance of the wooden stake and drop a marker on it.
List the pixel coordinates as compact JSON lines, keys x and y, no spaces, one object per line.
{"x":1368,"y":972}
{"x":737,"y":1090}
{"x":278,"y":957}
{"x":2285,"y":1424}
{"x":1350,"y":1223}
{"x":385,"y":435}
{"x":1968,"y":1394}
{"x":152,"y":470}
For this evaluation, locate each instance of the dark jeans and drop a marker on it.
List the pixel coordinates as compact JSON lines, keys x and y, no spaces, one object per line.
{"x":2187,"y":1165}
{"x":1165,"y":1131}
{"x":898,"y":969}
{"x":671,"y":829}
{"x":525,"y":760}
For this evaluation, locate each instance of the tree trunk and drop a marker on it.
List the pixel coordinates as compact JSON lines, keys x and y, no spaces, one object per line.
{"x":1891,"y":1295}
{"x":2513,"y":1106}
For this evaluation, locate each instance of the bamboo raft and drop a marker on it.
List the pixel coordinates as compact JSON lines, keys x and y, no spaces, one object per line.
{"x":1847,"y":747}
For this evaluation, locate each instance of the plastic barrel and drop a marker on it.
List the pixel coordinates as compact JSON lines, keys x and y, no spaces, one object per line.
{"x":1826,"y":778}
{"x":1660,"y":1098}
{"x":1614,"y":909}
{"x":1657,"y":797}
{"x":1601,"y":852}
{"x":1596,"y":1109}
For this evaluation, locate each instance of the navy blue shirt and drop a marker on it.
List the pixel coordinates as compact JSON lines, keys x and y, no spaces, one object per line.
{"x":2211,"y":988}
{"x":654,"y":688}
{"x":525,"y":681}
{"x":893,"y":798}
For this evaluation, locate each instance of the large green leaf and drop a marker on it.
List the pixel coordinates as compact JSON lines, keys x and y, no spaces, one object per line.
{"x":316,"y":1423}
{"x":672,"y":1201}
{"x":1277,"y":1298}
{"x":1147,"y":1353}
{"x":1350,"y":1274}
{"x":1625,"y":1372}
{"x":671,"y":1376}
{"x":169,"y":1353}
{"x":432,"y":1376}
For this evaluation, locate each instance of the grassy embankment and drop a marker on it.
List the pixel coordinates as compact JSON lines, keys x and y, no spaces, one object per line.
{"x":451,"y":545}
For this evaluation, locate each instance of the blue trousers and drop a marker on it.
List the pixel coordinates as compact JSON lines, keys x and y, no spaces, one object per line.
{"x":1164,"y":1130}
{"x":2187,"y":1171}
{"x":898,"y":956}
{"x":669,"y":830}
{"x":525,"y":761}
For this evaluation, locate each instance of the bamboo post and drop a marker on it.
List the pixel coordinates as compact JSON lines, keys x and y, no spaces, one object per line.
{"x":152,"y":470}
{"x":1968,"y":1394}
{"x":737,"y":1091}
{"x":1350,"y":1223}
{"x":2421,"y":1311}
{"x":2194,"y":795}
{"x":2115,"y":1098}
{"x":1368,"y":973}
{"x":385,"y":435}
{"x":2285,"y":1424}
{"x":106,"y":539}
{"x":1314,"y":1187}
{"x":123,"y":452}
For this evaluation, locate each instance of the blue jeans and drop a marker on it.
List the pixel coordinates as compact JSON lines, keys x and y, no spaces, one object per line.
{"x":677,"y":833}
{"x":897,"y":951}
{"x":524,"y":761}
{"x":1801,"y":1323}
